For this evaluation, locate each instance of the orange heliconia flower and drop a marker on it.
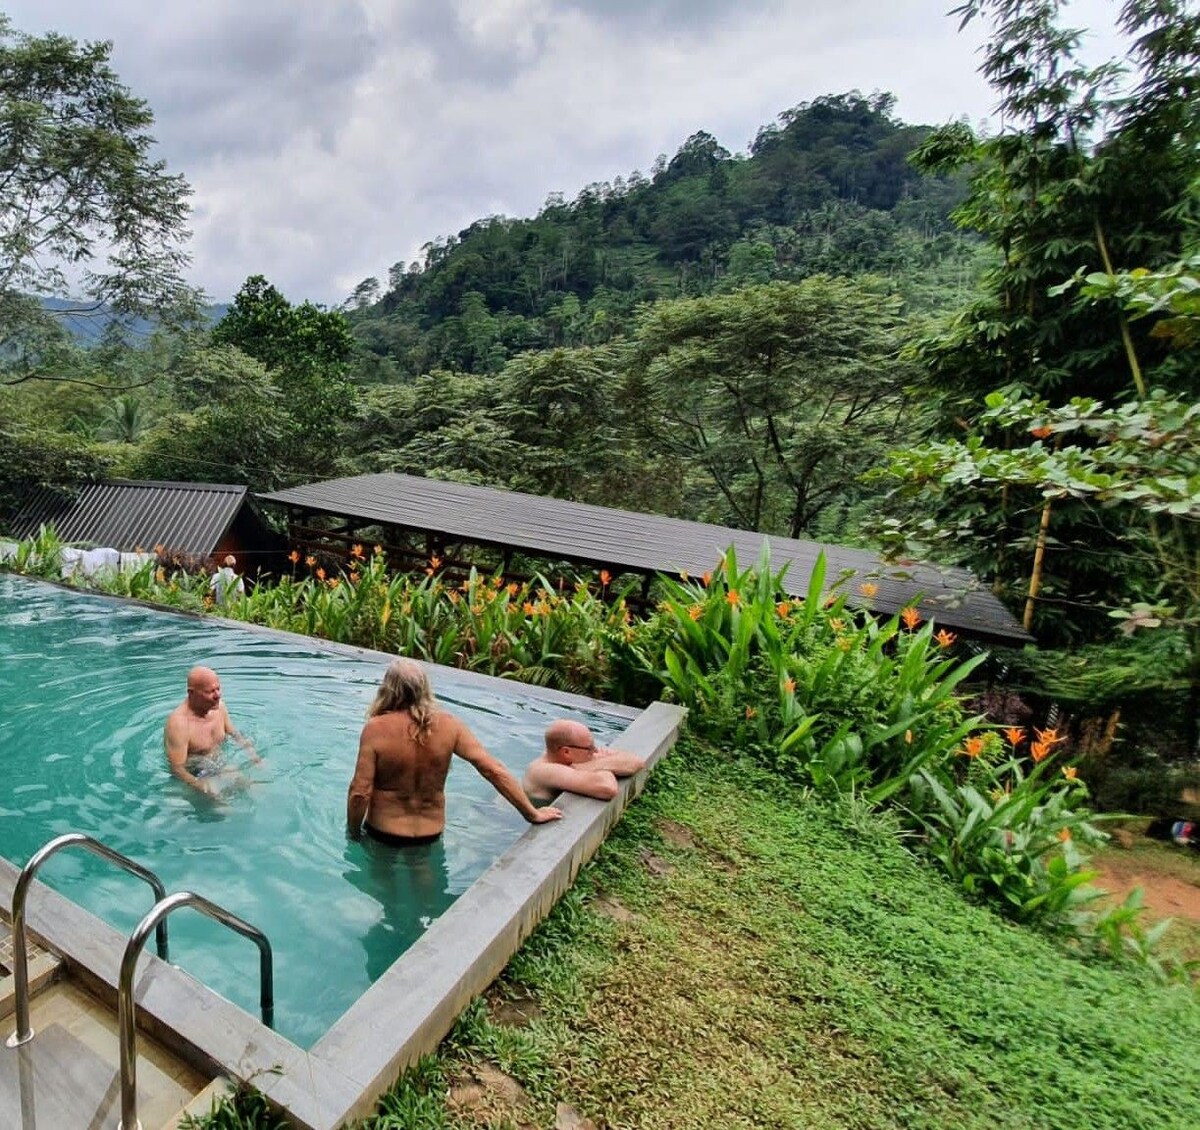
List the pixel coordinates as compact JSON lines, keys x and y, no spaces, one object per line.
{"x":512,"y":588}
{"x":944,"y":638}
{"x":1015,"y":735}
{"x":353,"y":578}
{"x":1064,"y":834}
{"x":454,"y":597}
{"x":706,"y":578}
{"x":732,"y":597}
{"x":1070,"y":772}
{"x":1043,"y":431}
{"x":377,"y":550}
{"x":294,"y":556}
{"x":908,"y":737}
{"x":783,"y":608}
{"x":789,"y":685}
{"x":320,"y":574}
{"x":1049,"y":736}
{"x":750,"y":712}
{"x":159,"y":549}
{"x":605,"y":576}
{"x":310,"y":561}
{"x":356,"y":550}
{"x":868,"y":589}
{"x":1039,"y":751}
{"x":973,"y":747}
{"x":435,"y":562}
{"x":910,"y":617}
{"x":696,"y":611}
{"x":528,"y":608}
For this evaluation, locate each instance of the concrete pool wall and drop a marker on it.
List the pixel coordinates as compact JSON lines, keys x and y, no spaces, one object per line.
{"x":408,"y":1010}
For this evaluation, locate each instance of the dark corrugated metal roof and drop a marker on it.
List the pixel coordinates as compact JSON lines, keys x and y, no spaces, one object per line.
{"x":126,"y":515}
{"x":601,"y":536}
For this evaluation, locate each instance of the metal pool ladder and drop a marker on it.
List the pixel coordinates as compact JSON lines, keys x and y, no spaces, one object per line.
{"x":155,"y":920}
{"x":24,"y":1030}
{"x":126,"y":1029}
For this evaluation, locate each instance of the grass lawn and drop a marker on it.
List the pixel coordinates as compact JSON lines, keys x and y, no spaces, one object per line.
{"x":739,"y":955}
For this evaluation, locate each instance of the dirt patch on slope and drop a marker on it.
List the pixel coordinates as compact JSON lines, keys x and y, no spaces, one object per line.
{"x":1164,"y":894}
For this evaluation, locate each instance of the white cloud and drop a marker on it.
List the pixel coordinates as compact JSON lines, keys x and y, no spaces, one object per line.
{"x":325,"y":141}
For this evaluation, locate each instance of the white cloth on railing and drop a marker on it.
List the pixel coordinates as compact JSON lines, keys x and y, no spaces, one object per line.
{"x":88,"y":562}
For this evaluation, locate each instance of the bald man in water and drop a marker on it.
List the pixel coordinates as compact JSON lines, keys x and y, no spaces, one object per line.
{"x":573,"y":763}
{"x":196,"y":730}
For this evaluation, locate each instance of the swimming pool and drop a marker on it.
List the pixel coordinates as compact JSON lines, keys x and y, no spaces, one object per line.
{"x":85,"y":686}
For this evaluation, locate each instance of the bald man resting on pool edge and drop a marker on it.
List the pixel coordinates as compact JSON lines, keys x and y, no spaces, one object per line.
{"x":195,"y":730}
{"x":573,"y":763}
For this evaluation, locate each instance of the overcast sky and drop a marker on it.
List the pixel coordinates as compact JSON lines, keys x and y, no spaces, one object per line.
{"x":327,"y":139}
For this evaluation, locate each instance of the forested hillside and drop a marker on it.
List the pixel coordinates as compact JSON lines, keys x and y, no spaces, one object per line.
{"x":829,"y":188}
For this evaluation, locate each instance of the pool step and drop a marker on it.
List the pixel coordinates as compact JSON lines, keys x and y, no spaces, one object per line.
{"x":68,"y":1076}
{"x":43,"y":967}
{"x":202,"y":1104}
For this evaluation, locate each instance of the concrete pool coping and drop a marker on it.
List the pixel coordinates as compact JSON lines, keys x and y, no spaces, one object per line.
{"x":407,"y":1011}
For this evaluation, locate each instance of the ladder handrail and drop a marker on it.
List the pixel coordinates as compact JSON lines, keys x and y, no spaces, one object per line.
{"x":126,"y":1030}
{"x":24,"y":1031}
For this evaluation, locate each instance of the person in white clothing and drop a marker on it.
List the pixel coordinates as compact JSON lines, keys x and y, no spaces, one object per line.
{"x":225,"y":584}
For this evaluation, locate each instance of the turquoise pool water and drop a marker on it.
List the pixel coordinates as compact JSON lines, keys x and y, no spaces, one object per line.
{"x":85,"y":686}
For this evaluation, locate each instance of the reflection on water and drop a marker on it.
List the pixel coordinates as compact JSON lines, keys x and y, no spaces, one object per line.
{"x":411,"y":884}
{"x":85,"y":688}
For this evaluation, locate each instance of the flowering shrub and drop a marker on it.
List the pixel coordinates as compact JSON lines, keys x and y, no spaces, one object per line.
{"x":823,"y":693}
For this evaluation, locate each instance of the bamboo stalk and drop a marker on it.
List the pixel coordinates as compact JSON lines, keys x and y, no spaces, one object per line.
{"x":1039,"y":553}
{"x":1126,"y":337}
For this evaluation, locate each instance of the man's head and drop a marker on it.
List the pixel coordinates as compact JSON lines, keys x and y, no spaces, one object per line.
{"x":569,"y":743}
{"x":405,"y":686}
{"x":203,"y":690}
{"x":230,"y":561}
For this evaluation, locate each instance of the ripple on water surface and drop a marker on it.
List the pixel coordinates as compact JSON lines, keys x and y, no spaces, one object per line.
{"x":85,"y":686}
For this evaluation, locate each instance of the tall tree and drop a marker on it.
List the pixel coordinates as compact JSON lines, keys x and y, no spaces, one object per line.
{"x":307,"y":352}
{"x":781,"y":394}
{"x":230,"y":423}
{"x":1093,"y":170}
{"x":83,"y":205}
